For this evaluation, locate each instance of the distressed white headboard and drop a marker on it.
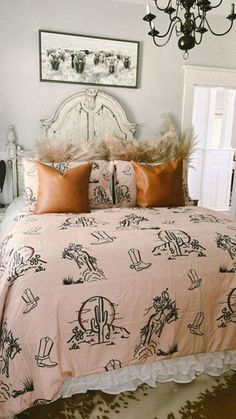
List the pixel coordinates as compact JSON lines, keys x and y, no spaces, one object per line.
{"x":86,"y":115}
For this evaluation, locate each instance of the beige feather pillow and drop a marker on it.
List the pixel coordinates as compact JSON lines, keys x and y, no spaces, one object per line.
{"x":53,"y":151}
{"x":161,"y":150}
{"x":166,"y":148}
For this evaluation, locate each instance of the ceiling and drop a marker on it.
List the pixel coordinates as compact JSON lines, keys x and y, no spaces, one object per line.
{"x":223,"y":9}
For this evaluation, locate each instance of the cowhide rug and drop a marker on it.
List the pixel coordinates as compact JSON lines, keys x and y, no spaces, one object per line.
{"x":205,"y":398}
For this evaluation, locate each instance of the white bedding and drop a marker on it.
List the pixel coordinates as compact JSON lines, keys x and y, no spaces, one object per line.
{"x":15,"y":208}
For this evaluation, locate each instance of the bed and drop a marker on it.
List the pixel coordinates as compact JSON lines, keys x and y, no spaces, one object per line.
{"x":115,"y":297}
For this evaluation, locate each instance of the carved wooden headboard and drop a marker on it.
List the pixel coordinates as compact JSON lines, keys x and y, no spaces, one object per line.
{"x":86,"y":115}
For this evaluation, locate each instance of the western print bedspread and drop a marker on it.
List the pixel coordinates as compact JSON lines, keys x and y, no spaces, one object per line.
{"x":87,"y":293}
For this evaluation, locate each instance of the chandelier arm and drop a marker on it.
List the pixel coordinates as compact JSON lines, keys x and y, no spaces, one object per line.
{"x":173,"y":22}
{"x":162,"y":45}
{"x":202,"y":19}
{"x":177,"y":9}
{"x":219,"y":34}
{"x":217,"y":5}
{"x":163,"y":9}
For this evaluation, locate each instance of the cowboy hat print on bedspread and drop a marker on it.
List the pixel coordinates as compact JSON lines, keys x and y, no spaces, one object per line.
{"x":72,"y":294}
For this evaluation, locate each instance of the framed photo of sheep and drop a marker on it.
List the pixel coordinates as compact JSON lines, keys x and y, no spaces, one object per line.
{"x":70,"y":58}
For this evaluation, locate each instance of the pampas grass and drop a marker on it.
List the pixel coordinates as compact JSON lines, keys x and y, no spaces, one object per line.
{"x":170,"y":146}
{"x":54,"y":151}
{"x":150,"y":151}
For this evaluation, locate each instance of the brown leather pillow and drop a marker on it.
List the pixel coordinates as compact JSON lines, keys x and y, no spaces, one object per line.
{"x":160,"y":185}
{"x":66,"y":192}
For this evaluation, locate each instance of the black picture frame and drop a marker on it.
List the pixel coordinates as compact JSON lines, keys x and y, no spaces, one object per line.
{"x":85,"y":59}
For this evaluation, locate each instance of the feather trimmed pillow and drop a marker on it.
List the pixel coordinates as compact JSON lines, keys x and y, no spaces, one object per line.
{"x":167,"y":148}
{"x":54,"y":151}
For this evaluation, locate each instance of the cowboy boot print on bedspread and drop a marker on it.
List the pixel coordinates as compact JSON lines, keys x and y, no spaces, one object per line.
{"x":195,"y":280}
{"x":163,"y":312}
{"x":194,"y":327}
{"x":102,"y":237}
{"x":87,"y":264}
{"x":96,"y":319}
{"x":137,"y":263}
{"x":30,"y":300}
{"x":43,"y":358}
{"x":33,"y":231}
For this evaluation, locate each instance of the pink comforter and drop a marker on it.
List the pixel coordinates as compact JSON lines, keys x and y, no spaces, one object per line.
{"x":87,"y":293}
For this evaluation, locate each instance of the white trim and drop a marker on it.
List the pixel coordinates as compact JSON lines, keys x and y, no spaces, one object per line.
{"x":203,"y":76}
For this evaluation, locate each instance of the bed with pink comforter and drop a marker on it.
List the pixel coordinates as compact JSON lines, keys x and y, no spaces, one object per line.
{"x":82,"y":294}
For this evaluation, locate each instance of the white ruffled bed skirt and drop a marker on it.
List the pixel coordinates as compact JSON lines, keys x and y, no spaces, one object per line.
{"x":179,"y":370}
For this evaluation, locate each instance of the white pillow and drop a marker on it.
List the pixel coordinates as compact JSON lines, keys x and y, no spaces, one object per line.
{"x":124,"y":184}
{"x":17,"y":207}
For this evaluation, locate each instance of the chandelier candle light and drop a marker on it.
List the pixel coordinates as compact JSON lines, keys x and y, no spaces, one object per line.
{"x":189,"y":19}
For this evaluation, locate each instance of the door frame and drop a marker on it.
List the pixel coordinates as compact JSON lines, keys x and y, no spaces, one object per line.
{"x":208,"y":77}
{"x":202,"y":76}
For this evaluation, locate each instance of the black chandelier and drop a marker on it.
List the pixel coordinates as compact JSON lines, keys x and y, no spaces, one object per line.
{"x":189,"y":19}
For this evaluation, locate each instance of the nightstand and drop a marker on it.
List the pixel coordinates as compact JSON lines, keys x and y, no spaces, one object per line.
{"x":2,"y":212}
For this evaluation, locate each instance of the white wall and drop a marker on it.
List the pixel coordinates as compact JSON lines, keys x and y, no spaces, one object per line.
{"x":24,"y":100}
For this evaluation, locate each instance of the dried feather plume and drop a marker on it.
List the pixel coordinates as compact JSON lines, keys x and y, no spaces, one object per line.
{"x":169,"y":146}
{"x":57,"y":151}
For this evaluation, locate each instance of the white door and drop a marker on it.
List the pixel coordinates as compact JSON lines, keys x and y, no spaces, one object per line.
{"x":213,"y":118}
{"x":216,"y":179}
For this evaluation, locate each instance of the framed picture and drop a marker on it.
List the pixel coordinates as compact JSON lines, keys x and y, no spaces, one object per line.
{"x":71,"y":58}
